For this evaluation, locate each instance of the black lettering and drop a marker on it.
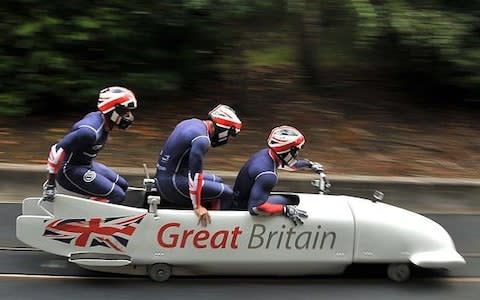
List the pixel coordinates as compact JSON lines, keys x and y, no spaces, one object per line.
{"x":306,"y":242}
{"x":325,"y":235}
{"x":256,"y":235}
{"x":280,"y":238}
{"x":271,"y":234}
{"x":289,"y":235}
{"x":316,"y":237}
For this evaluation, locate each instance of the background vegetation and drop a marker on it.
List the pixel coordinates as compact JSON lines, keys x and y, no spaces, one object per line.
{"x":54,"y":55}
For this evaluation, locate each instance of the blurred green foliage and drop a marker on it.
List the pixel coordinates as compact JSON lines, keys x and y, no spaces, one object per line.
{"x":59,"y":54}
{"x":438,"y":38}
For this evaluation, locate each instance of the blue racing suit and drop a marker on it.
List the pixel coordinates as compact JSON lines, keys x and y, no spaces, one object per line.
{"x":256,"y":180}
{"x":180,"y":175}
{"x":72,"y":159}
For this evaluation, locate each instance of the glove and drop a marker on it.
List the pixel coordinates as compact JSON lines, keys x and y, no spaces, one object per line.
{"x":317,"y":168}
{"x":294,"y":214}
{"x":49,"y":191}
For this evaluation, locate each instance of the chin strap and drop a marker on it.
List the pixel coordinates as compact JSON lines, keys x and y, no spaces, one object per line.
{"x":115,"y":117}
{"x":282,"y":163}
{"x":195,"y":185}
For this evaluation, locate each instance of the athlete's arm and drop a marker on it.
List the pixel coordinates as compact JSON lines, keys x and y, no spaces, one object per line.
{"x":71,"y":142}
{"x":198,"y":151}
{"x":305,"y":163}
{"x":76,"y":139}
{"x":299,"y":165}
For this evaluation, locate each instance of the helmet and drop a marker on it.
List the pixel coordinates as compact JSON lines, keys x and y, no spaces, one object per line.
{"x":226,"y":124}
{"x":286,"y":141}
{"x":116,"y":103}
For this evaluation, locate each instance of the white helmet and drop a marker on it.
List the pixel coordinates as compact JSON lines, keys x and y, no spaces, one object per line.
{"x":116,"y":103}
{"x":226,"y":123}
{"x":286,"y":141}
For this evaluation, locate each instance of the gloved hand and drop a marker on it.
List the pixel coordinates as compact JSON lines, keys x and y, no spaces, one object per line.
{"x":294,"y":214}
{"x":49,"y":191}
{"x":317,"y":167}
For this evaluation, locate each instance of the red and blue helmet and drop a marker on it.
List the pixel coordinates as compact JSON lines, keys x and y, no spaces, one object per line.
{"x":226,"y":123}
{"x":116,"y":103}
{"x":286,"y":141}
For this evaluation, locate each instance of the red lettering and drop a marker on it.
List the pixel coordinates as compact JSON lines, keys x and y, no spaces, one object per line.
{"x":174,"y":237}
{"x":235,"y":233}
{"x":223,"y":242}
{"x":186,"y":234}
{"x":202,"y":235}
{"x":170,"y":237}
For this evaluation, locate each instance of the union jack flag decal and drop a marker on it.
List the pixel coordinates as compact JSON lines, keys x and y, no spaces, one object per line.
{"x":112,"y":233}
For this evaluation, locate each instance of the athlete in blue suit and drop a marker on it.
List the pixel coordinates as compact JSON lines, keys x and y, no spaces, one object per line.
{"x":180,"y":176}
{"x":258,"y":176}
{"x":71,"y":161}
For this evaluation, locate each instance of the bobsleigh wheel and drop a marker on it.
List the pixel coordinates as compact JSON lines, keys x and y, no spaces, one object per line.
{"x":160,"y":272}
{"x":398,"y":272}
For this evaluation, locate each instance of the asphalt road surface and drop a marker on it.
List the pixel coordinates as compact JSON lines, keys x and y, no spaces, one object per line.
{"x":27,"y":273}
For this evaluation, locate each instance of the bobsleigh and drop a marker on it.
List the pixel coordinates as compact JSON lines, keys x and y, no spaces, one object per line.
{"x":143,"y":238}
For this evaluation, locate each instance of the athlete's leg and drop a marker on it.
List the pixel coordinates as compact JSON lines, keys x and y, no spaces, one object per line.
{"x":215,"y":191}
{"x":174,"y":190}
{"x":278,"y":199}
{"x":212,"y":177}
{"x":86,"y":181}
{"x":110,"y":175}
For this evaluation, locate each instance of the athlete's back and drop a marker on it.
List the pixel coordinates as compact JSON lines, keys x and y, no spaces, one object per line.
{"x":174,"y":157}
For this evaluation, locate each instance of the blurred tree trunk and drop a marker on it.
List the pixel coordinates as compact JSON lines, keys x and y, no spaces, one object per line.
{"x":309,"y":28}
{"x":243,"y":103}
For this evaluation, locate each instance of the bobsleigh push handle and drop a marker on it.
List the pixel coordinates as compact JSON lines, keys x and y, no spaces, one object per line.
{"x":322,"y":184}
{"x":152,"y":201}
{"x":148,"y":183}
{"x":145,"y":169}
